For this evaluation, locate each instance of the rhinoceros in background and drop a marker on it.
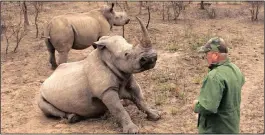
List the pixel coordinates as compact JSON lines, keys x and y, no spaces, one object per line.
{"x":79,"y":30}
{"x":90,"y":87}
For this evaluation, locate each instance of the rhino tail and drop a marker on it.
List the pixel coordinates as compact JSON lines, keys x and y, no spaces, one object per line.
{"x":51,"y":51}
{"x":46,"y":32}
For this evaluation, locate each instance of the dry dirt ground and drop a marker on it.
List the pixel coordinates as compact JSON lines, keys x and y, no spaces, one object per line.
{"x":170,"y":87}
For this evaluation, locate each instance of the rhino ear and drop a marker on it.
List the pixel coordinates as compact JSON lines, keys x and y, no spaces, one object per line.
{"x":99,"y":44}
{"x":111,"y":9}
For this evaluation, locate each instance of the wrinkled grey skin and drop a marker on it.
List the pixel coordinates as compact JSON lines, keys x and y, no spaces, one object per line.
{"x":79,"y":30}
{"x":90,"y":87}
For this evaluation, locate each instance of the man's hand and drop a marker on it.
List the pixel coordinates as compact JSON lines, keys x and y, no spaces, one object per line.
{"x":194,"y":104}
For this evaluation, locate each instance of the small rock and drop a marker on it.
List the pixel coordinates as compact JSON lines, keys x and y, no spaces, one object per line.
{"x":60,"y":125}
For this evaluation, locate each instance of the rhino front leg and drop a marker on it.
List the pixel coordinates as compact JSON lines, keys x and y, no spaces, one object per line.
{"x":137,"y":98}
{"x":151,"y":114}
{"x":111,"y":99}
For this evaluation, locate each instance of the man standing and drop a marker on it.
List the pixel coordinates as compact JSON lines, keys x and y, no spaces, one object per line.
{"x":218,"y":104}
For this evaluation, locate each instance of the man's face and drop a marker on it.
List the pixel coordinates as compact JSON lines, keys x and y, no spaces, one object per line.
{"x":212,"y":57}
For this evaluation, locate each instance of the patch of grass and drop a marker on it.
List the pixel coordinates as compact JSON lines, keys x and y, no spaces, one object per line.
{"x":180,"y":94}
{"x":163,"y":92}
{"x":197,"y":79}
{"x":173,"y":111}
{"x":172,"y":47}
{"x":173,"y":44}
{"x":166,"y":87}
{"x":160,"y":98}
{"x":188,"y":27}
{"x":163,"y":76}
{"x":198,"y":40}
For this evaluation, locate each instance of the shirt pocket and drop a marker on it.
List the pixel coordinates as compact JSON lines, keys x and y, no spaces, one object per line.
{"x":202,"y":121}
{"x":206,"y":123}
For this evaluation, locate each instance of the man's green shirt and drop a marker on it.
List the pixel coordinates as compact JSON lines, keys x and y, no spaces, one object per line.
{"x":219,"y":99}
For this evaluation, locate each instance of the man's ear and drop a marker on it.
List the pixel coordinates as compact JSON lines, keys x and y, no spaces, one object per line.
{"x":215,"y":56}
{"x":99,"y":44}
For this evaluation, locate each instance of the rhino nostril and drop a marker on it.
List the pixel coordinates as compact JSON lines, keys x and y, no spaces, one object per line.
{"x":154,"y":59}
{"x":148,"y":60}
{"x":143,"y":60}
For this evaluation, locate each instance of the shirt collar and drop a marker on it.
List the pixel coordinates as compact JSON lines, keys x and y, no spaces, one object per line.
{"x":224,"y":62}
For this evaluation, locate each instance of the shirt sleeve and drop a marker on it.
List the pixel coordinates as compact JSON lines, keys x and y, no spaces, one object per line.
{"x":200,"y":109}
{"x":210,"y":95}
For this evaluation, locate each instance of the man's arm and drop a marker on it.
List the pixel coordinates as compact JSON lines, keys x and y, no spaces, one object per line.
{"x":210,"y":96}
{"x":200,"y":109}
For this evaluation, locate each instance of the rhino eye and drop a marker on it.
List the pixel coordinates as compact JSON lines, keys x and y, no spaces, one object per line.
{"x":126,"y":54}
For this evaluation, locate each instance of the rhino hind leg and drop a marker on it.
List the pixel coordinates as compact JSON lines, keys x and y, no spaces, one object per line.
{"x":49,"y":110}
{"x":51,"y":51}
{"x":73,"y":118}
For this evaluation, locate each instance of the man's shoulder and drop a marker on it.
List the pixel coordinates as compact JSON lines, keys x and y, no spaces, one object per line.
{"x":212,"y":74}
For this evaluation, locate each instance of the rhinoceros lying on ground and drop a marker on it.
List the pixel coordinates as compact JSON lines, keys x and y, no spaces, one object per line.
{"x":79,"y":30}
{"x":90,"y":87}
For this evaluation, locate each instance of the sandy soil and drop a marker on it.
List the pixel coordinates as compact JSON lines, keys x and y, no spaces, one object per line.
{"x":170,"y":87}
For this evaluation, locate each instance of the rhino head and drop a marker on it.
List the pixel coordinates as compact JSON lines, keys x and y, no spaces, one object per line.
{"x":124,"y":57}
{"x":115,"y":18}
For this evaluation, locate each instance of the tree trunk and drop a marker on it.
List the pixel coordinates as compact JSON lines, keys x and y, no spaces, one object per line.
{"x":0,"y":14}
{"x":140,"y":7}
{"x":17,"y":42}
{"x":127,"y":5}
{"x":7,"y":45}
{"x":257,"y":11}
{"x":119,"y":5}
{"x":202,"y":5}
{"x":168,"y":13}
{"x":163,"y":10}
{"x":123,"y":31}
{"x":36,"y":24}
{"x":26,"y":20}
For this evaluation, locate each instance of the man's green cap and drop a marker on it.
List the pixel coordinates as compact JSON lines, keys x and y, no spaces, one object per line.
{"x":215,"y":44}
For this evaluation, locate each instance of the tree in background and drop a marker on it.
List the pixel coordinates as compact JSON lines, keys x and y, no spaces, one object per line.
{"x":25,"y":12}
{"x":254,"y":9}
{"x":38,"y":7}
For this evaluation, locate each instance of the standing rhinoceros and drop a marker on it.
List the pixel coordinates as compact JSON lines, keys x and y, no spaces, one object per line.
{"x":79,"y":30}
{"x":90,"y":87}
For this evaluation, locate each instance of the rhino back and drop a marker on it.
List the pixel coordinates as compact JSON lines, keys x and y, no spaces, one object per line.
{"x":86,"y":30}
{"x":77,"y":30}
{"x":67,"y":90}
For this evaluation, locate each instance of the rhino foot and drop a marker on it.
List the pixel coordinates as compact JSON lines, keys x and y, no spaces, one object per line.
{"x":126,"y":102}
{"x":153,"y":115}
{"x":73,"y":118}
{"x":131,"y":128}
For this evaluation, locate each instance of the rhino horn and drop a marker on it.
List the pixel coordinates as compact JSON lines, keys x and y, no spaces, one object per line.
{"x":145,"y":42}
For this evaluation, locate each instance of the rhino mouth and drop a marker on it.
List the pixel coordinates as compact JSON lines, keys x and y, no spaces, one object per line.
{"x":149,"y":66}
{"x":122,"y":24}
{"x":145,"y":67}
